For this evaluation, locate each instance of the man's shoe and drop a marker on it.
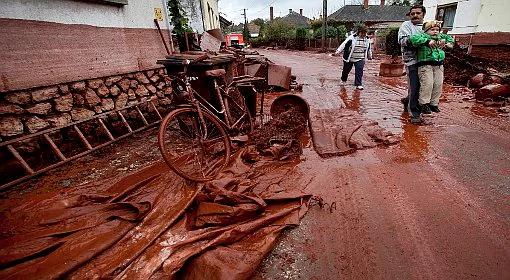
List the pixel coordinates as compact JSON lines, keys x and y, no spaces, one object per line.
{"x":434,"y":109}
{"x":359,"y":87}
{"x":425,"y":109}
{"x":342,"y":83}
{"x":416,"y":120}
{"x":405,"y":102}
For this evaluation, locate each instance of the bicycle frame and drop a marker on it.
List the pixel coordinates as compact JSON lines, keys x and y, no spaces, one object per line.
{"x":200,"y":103}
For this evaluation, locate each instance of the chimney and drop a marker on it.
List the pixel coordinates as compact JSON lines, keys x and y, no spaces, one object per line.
{"x":301,"y":11}
{"x":271,"y":14}
{"x":290,"y":11}
{"x":365,"y":4}
{"x":383,"y":2}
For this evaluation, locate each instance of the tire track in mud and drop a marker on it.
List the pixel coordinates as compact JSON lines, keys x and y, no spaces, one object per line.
{"x":475,"y":210}
{"x":456,"y":236}
{"x":403,"y":224}
{"x":357,"y":239}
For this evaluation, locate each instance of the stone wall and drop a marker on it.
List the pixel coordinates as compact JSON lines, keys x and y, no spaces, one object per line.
{"x":28,"y":111}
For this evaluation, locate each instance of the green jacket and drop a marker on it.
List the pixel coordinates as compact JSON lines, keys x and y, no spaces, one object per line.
{"x":426,"y":53}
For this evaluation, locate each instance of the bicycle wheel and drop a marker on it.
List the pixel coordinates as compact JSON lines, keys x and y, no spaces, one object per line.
{"x":240,"y":119}
{"x":195,"y":150}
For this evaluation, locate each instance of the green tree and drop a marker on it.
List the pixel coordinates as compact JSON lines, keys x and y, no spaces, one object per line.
{"x":392,"y":45}
{"x":279,"y":31}
{"x":341,"y":32}
{"x":179,"y":21}
{"x":259,"y":22}
{"x":331,"y":32}
{"x":178,"y":17}
{"x":301,"y":36}
{"x":246,"y":33}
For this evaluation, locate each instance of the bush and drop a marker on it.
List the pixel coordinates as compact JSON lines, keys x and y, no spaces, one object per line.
{"x":341,"y":32}
{"x":258,"y":42}
{"x":278,"y":31}
{"x":331,"y":32}
{"x":392,"y":45}
{"x":301,"y":36}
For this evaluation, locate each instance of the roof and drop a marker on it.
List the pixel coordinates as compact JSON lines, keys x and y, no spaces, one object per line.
{"x":374,"y":13}
{"x":224,"y":21}
{"x":253,"y":28}
{"x":296,"y":19}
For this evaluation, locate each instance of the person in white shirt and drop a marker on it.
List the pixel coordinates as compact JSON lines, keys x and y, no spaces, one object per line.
{"x":356,"y":49}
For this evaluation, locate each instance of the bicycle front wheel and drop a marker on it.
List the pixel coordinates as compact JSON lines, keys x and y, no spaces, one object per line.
{"x":197,"y":149}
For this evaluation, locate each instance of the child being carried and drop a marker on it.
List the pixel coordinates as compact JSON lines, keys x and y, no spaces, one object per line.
{"x":431,"y":56}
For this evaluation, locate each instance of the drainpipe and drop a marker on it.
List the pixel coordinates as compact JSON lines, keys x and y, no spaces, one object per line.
{"x":167,"y":21}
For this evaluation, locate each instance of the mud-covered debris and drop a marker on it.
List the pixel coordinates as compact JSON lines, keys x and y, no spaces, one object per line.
{"x":461,"y":67}
{"x":279,"y":137}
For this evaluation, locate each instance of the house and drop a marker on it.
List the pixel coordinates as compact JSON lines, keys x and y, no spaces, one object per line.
{"x":210,"y":14}
{"x":481,"y":26}
{"x":224,"y":23}
{"x":375,"y":17}
{"x":203,"y":15}
{"x":64,"y":60}
{"x":295,"y":19}
{"x":254,"y":30}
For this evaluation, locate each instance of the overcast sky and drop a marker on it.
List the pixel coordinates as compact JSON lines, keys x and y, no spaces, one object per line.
{"x":232,"y":9}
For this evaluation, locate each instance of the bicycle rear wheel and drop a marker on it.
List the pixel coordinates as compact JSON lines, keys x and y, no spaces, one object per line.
{"x":195,"y":149}
{"x":240,"y":118}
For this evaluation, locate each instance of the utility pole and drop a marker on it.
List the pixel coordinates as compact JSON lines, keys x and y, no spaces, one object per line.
{"x":246,"y":31}
{"x":244,"y":14}
{"x":324,"y":22}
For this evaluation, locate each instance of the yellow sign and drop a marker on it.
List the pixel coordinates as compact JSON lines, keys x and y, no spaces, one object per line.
{"x":158,"y":14}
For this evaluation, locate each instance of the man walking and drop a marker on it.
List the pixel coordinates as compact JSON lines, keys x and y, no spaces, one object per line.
{"x":407,"y":29}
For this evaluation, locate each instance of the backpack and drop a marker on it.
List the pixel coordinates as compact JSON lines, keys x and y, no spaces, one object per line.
{"x":347,"y":50}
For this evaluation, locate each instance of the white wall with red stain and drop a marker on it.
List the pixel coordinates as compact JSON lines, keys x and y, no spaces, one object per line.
{"x":48,"y":42}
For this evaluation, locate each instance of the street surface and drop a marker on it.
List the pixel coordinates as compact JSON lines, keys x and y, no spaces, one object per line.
{"x":435,"y":206}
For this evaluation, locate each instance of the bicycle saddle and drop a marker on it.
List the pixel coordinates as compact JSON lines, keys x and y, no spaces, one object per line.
{"x":215,"y":73}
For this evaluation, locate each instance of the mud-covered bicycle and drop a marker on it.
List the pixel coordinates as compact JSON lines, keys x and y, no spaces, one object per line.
{"x":194,"y":139}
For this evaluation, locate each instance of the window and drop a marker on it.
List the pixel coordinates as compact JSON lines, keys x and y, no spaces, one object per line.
{"x":446,"y":14}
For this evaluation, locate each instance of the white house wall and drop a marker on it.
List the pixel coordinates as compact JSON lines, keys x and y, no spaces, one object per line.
{"x":211,"y":20}
{"x":136,"y":14}
{"x":466,"y":16}
{"x":494,"y":16}
{"x":193,"y":11}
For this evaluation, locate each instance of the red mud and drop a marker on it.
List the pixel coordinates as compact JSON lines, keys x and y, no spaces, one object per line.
{"x":434,"y":206}
{"x":152,"y":224}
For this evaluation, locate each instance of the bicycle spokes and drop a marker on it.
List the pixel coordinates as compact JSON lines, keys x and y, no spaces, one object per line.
{"x":193,"y":144}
